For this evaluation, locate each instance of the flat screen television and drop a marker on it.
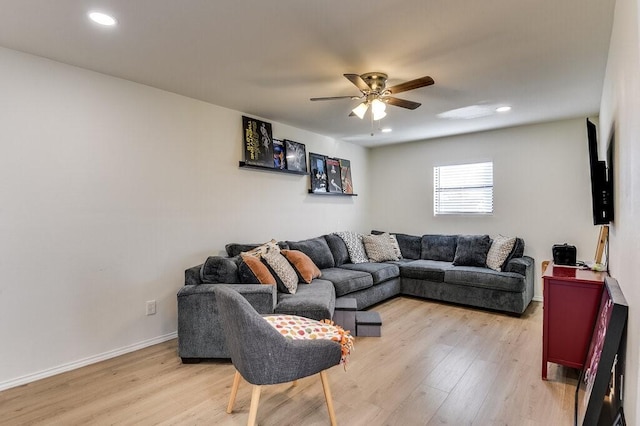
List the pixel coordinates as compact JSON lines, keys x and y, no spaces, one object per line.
{"x":601,"y":181}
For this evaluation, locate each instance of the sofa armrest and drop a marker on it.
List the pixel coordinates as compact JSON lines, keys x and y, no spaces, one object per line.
{"x":262,"y":297}
{"x":200,"y":332}
{"x":519,"y":265}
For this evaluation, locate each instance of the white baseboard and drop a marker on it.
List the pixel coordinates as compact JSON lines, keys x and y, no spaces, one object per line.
{"x":84,"y":362}
{"x":537,"y":298}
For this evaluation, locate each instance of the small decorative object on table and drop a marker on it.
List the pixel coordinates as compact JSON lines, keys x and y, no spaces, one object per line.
{"x":258,"y":142}
{"x":334,"y":181}
{"x":317,"y":166}
{"x":296,"y":156}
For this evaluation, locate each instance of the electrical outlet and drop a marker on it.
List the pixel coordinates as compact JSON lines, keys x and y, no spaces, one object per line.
{"x":151,"y":307}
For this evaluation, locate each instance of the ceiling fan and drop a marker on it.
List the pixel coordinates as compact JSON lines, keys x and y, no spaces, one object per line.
{"x":376,"y":94}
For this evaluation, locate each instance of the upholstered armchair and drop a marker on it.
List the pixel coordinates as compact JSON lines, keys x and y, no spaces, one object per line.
{"x":263,"y":356}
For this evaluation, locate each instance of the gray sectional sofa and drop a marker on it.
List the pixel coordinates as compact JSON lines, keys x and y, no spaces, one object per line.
{"x":426,"y":270}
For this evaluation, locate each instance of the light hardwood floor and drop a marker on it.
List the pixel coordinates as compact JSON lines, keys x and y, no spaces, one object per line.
{"x":435,"y":364}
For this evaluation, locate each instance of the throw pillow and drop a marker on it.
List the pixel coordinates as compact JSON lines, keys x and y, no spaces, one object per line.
{"x":379,"y":248}
{"x":303,"y":265}
{"x":353,"y":241}
{"x":217,"y":269}
{"x":472,"y":250}
{"x":262,"y":249}
{"x":439,"y":247}
{"x":395,"y":246}
{"x":252,"y":271}
{"x":317,"y":249}
{"x":286,"y":276}
{"x":499,"y":251}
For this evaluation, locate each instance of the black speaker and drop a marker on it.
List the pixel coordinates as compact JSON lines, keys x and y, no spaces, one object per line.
{"x":564,"y":254}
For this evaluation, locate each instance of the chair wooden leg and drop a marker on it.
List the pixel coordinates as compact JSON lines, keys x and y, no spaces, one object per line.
{"x":253,"y":408}
{"x":234,"y":392}
{"x":327,"y":396}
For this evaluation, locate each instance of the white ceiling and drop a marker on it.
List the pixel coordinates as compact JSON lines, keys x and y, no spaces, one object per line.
{"x":545,"y":58}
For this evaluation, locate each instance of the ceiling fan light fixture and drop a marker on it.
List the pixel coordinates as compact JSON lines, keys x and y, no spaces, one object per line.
{"x":378,"y":109}
{"x":361,"y":110}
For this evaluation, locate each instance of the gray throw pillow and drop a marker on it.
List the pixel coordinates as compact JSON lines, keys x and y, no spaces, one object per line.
{"x":472,"y":250}
{"x":317,"y":249}
{"x":438,"y":247}
{"x":217,"y":269}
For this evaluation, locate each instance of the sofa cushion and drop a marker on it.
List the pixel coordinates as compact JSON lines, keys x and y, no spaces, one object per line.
{"x":438,"y":247}
{"x":251,"y":270}
{"x":379,"y":247}
{"x":317,"y":249}
{"x":471,"y":250}
{"x":303,"y":265}
{"x":429,"y":270}
{"x":217,"y":269}
{"x":338,"y":249}
{"x":286,"y":277}
{"x":380,"y":272}
{"x":485,"y":278}
{"x":315,"y":300}
{"x":353,"y":241}
{"x":501,"y":248}
{"x":347,"y":281}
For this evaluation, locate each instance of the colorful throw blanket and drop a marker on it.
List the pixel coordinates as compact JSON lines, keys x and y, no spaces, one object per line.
{"x":300,"y":328}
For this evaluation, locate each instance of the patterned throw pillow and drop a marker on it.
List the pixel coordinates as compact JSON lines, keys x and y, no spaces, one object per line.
{"x":353,"y":241}
{"x":379,"y":248}
{"x":286,"y":276}
{"x":252,"y":271}
{"x":395,"y":245}
{"x":263,"y":249}
{"x":304,"y":266}
{"x":499,"y":251}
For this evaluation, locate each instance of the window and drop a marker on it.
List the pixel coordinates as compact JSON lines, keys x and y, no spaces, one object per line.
{"x":463,"y":189}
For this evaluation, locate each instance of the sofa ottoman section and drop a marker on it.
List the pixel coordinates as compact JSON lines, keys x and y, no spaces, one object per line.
{"x":316,"y":301}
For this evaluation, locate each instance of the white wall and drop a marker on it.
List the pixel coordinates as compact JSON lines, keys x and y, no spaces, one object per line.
{"x":620,"y":112}
{"x":109,"y":190}
{"x":542,"y":189}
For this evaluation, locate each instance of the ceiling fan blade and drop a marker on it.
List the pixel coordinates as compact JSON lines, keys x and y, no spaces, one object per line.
{"x":358,"y":82}
{"x":410,"y":85}
{"x":330,"y":98}
{"x":403,"y":103}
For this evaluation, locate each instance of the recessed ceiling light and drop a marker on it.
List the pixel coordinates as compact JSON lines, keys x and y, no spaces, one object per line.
{"x":503,"y":109}
{"x":386,"y":130}
{"x":102,"y":19}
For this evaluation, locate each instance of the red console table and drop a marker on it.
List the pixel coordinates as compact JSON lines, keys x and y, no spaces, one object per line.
{"x":571,"y":300}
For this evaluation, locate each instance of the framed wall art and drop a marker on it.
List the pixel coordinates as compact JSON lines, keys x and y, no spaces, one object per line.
{"x":296,"y":156}
{"x":279,"y":158}
{"x":345,"y":176}
{"x":258,"y":142}
{"x":596,"y":379}
{"x":334,"y":180}
{"x":318,"y":170}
